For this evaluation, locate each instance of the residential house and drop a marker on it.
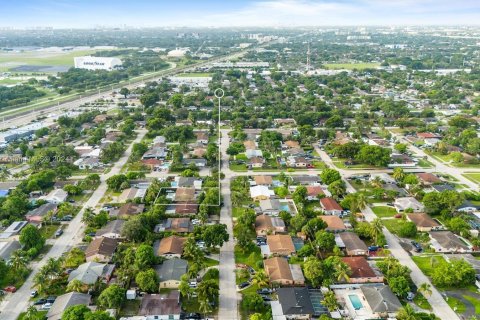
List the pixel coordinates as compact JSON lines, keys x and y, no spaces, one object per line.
{"x":157,"y":153}
{"x":263,"y":180}
{"x":261,"y":193}
{"x":250,"y":145}
{"x":361,"y":270}
{"x":130,"y":209}
{"x":270,"y":206}
{"x":314,"y":193}
{"x":287,"y":122}
{"x":385,"y":177}
{"x":90,"y":272}
{"x":202,"y":137}
{"x":427,"y":178}
{"x":130,"y":194}
{"x":38,"y":214}
{"x":169,"y":247}
{"x":423,"y":222}
{"x":170,"y":272}
{"x":164,"y":306}
{"x":256,"y":162}
{"x":293,"y":303}
{"x":186,"y":209}
{"x":334,"y":223}
{"x":56,"y":196}
{"x":179,"y":225}
{"x":199,"y":163}
{"x":101,"y":249}
{"x":113,"y":230}
{"x":251,"y":153}
{"x":188,"y":182}
{"x":280,"y":245}
{"x":13,"y":229}
{"x":330,"y":206}
{"x":88,"y":163}
{"x":305,"y":179}
{"x":297,"y":162}
{"x":404,"y":203}
{"x":7,"y":248}
{"x":67,"y":300}
{"x":185,"y":195}
{"x":279,"y":271}
{"x":265,"y":224}
{"x":447,"y":241}
{"x":381,"y":300}
{"x":353,"y":245}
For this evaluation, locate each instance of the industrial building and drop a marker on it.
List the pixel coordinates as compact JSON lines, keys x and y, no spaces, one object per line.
{"x":97,"y":63}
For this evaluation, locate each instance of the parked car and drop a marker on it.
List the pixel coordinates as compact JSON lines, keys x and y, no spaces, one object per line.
{"x":410,"y":296}
{"x":264,"y":291}
{"x":58,"y":233}
{"x":51,"y":299}
{"x":47,"y":306}
{"x":40,"y":302}
{"x":11,"y":289}
{"x":33,"y":294}
{"x":266,"y":298}
{"x":243,"y":284}
{"x":373,"y":248}
{"x":417,"y":246}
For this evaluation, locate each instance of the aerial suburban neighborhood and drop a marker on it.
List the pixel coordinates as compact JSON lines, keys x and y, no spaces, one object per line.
{"x":240,"y":173}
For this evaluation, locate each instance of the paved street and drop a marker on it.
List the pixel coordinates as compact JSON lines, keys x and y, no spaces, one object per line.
{"x":18,"y":302}
{"x":229,"y":297}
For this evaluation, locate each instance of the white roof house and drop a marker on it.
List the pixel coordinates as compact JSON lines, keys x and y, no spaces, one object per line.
{"x":402,"y":204}
{"x":385,"y":177}
{"x":251,"y":153}
{"x":261,"y":192}
{"x":56,"y":196}
{"x":87,"y":273}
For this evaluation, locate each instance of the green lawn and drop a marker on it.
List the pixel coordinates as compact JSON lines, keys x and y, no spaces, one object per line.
{"x":422,"y":302}
{"x":250,"y":257}
{"x":209,"y":262}
{"x":40,"y":313}
{"x":384,"y":211}
{"x":475,"y":177}
{"x":47,"y":231}
{"x":351,"y":66}
{"x":475,"y":302}
{"x":238,"y":167}
{"x":340,"y":163}
{"x":194,"y":74}
{"x":425,"y":163}
{"x":393,"y":225}
{"x":428,"y":263}
{"x":456,"y":305}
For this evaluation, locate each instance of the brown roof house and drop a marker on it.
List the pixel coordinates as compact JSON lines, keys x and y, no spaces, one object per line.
{"x":101,"y":249}
{"x":334,"y":223}
{"x":330,"y":206}
{"x":185,"y":195}
{"x":423,"y":221}
{"x":428,"y":178}
{"x":279,"y":271}
{"x":279,"y":245}
{"x":314,"y":193}
{"x":353,"y":245}
{"x":161,"y":306}
{"x":169,"y":247}
{"x":130,"y":209}
{"x":362,"y":272}
{"x":265,"y":224}
{"x":186,"y":209}
{"x":179,"y":225}
{"x":263,"y":180}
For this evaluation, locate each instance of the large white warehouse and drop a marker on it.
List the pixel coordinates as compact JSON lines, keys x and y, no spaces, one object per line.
{"x":96,"y":63}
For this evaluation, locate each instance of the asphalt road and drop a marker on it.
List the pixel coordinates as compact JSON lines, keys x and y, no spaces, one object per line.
{"x":18,"y":302}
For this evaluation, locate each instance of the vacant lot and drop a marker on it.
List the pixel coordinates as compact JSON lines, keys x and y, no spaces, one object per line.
{"x":384,"y":211}
{"x":351,"y":66}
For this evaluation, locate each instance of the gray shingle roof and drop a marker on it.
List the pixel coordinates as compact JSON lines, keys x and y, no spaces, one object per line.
{"x":171,"y":269}
{"x":381,"y":298}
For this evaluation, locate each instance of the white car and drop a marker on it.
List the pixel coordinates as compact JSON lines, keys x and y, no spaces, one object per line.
{"x":47,"y":306}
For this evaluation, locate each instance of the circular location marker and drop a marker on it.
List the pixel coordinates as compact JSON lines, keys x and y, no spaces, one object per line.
{"x":219,"y":93}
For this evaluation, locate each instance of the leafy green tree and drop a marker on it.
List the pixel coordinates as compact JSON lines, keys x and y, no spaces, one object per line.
{"x":207,"y":292}
{"x":374,"y":155}
{"x":30,"y":237}
{"x":252,"y":302}
{"x":407,"y":229}
{"x":76,"y":286}
{"x":76,"y":312}
{"x":399,"y":286}
{"x":337,"y":188}
{"x":147,"y":280}
{"x":115,"y":182}
{"x":112,"y":297}
{"x":330,"y":175}
{"x":330,"y":301}
{"x":134,"y":229}
{"x":457,"y":274}
{"x":144,"y":257}
{"x":313,"y":270}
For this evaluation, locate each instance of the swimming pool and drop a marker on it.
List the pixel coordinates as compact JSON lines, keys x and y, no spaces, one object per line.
{"x":355,"y":300}
{"x":285,"y":207}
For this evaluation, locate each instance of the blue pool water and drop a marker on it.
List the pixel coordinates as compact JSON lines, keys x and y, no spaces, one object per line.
{"x":285,"y":207}
{"x":355,"y":300}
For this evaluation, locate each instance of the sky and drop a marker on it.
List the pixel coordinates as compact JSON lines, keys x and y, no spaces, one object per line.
{"x":227,"y":13}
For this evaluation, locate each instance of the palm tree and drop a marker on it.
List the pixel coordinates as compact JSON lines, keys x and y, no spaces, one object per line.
{"x":4,"y":174}
{"x":260,"y":278}
{"x":398,"y":174}
{"x":425,"y":289}
{"x":18,"y":261}
{"x":330,"y":301}
{"x":377,"y":229}
{"x":406,"y":313}
{"x":342,"y":272}
{"x":376,"y":182}
{"x":31,"y":314}
{"x":75,"y":286}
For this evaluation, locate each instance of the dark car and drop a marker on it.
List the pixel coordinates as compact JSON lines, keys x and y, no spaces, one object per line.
{"x":40,"y":302}
{"x":58,"y":233}
{"x":51,"y":299}
{"x":372,"y":248}
{"x":264,"y":291}
{"x":67,"y":218}
{"x":243,"y":284}
{"x":266,"y":298}
{"x":417,"y":246}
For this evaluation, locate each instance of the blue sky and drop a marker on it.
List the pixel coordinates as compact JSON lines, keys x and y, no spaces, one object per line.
{"x":224,"y":13}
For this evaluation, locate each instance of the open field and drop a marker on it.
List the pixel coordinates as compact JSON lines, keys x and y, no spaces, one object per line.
{"x":351,"y":66}
{"x":29,"y":61}
{"x":475,"y":177}
{"x":194,"y":74}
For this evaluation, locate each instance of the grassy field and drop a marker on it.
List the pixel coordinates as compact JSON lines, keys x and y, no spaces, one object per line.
{"x":384,"y":211}
{"x":422,"y":302}
{"x":474,"y":301}
{"x":351,"y":66}
{"x":456,"y":305}
{"x":196,"y":74}
{"x":475,"y":177}
{"x":10,"y":60}
{"x":428,"y":263}
{"x":249,"y":258}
